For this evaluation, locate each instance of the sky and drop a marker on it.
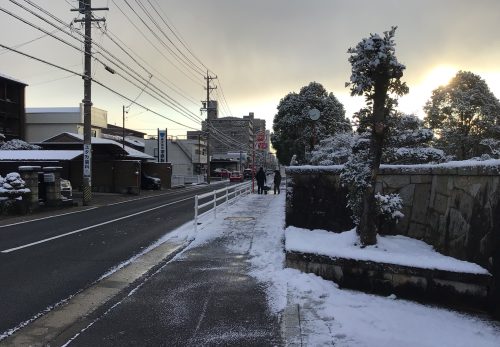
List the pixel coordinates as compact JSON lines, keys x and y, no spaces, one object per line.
{"x":259,"y":50}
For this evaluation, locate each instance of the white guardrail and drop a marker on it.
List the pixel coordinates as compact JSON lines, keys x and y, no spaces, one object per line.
{"x":225,"y":195}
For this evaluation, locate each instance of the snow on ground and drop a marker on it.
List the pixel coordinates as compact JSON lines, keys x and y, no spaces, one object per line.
{"x":400,"y":250}
{"x":329,"y":315}
{"x":349,"y":318}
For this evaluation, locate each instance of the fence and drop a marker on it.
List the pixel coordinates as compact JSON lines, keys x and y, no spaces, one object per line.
{"x":221,"y":196}
{"x":180,"y":180}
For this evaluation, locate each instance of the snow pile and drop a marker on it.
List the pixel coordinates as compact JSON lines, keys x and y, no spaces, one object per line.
{"x":399,"y":250}
{"x":332,"y":316}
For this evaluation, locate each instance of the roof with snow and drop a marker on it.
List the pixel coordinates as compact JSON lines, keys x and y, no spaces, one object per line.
{"x":39,"y":154}
{"x":116,"y":148}
{"x":131,"y":140}
{"x":7,"y":77}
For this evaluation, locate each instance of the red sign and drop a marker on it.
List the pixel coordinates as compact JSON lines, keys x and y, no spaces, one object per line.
{"x":261,"y":136}
{"x":261,"y":145}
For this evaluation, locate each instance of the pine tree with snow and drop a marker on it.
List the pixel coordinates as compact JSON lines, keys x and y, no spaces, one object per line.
{"x":294,"y":131}
{"x":333,"y":150}
{"x":462,"y":114}
{"x":375,"y":74}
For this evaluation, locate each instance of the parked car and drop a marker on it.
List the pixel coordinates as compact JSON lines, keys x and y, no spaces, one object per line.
{"x":247,"y":174}
{"x":66,"y":188}
{"x":221,"y":172}
{"x":236,"y":176}
{"x":150,"y":182}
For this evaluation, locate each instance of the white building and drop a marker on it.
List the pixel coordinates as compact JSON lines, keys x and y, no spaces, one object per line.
{"x":188,"y":157}
{"x":44,"y":123}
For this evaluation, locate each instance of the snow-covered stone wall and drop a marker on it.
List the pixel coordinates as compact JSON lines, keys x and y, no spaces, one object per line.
{"x":453,"y":206}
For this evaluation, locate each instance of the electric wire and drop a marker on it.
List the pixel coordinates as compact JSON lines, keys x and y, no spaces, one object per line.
{"x":193,"y":77}
{"x":172,"y":103}
{"x":187,"y":59}
{"x":217,"y":134}
{"x":95,"y":81}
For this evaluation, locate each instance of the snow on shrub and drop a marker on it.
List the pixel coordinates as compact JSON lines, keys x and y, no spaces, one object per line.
{"x":389,"y":206}
{"x":12,"y":185}
{"x":333,"y":150}
{"x":17,"y":144}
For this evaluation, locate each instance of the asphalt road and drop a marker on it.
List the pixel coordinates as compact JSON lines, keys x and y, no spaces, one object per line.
{"x":45,"y":261}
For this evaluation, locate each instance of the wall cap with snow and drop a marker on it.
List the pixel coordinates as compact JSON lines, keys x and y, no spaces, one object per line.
{"x":465,"y":167}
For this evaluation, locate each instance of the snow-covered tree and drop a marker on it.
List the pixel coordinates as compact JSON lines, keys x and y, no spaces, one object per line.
{"x":493,"y":146}
{"x":462,"y":114}
{"x":16,"y":144}
{"x":376,"y":74}
{"x":408,"y":142}
{"x":12,"y":185}
{"x":294,"y":131}
{"x":333,"y":150}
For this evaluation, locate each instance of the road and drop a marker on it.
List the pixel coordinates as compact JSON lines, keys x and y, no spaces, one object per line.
{"x":47,"y":260}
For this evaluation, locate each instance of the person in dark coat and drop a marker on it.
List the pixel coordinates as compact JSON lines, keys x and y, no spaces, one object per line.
{"x":277,"y":181}
{"x":261,"y":180}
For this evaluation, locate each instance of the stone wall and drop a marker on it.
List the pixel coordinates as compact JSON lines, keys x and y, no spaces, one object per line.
{"x":315,"y":199}
{"x":455,"y":209}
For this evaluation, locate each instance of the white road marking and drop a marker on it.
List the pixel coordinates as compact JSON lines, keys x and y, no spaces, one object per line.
{"x":92,"y":208}
{"x":92,"y":226}
{"x":48,"y":217}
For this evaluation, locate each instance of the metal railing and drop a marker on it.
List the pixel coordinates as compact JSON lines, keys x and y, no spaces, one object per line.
{"x":222,"y":196}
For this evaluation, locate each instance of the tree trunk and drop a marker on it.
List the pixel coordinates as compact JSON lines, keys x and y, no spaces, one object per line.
{"x":368,"y":226}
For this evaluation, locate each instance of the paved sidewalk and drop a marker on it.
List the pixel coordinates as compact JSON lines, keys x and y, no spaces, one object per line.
{"x":204,"y":296}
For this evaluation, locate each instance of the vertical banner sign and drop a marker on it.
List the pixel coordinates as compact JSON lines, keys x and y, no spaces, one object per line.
{"x":261,"y":140}
{"x":87,"y":156}
{"x":162,"y":146}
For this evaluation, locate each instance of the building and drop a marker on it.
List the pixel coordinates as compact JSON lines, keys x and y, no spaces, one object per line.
{"x":187,"y":156}
{"x":12,"y":108}
{"x":229,"y":134}
{"x":133,"y":138}
{"x":44,"y":123}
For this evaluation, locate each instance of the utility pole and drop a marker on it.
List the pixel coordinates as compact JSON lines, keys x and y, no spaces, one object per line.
{"x":123,"y":127}
{"x":86,"y":9}
{"x":207,"y":108}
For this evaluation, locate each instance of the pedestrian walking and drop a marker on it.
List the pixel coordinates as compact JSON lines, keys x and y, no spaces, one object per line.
{"x":277,"y":181}
{"x":261,"y":180}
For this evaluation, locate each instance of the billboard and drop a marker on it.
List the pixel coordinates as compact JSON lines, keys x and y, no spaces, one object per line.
{"x":162,"y":146}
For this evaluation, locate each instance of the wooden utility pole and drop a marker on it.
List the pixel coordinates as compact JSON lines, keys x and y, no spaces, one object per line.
{"x":86,"y":9}
{"x":123,"y":126}
{"x":207,"y":108}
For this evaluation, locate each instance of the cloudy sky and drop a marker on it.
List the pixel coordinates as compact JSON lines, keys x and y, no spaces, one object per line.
{"x":260,"y":50}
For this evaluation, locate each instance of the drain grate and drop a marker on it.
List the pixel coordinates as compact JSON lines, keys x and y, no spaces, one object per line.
{"x":240,"y":218}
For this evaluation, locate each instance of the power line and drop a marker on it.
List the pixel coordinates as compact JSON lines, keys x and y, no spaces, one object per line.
{"x":194,"y":79}
{"x":172,"y":103}
{"x":177,"y":106}
{"x":196,"y":68}
{"x":97,"y":82}
{"x":177,"y":35}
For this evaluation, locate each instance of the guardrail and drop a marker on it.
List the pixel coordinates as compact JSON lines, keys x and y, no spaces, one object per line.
{"x":225,"y":195}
